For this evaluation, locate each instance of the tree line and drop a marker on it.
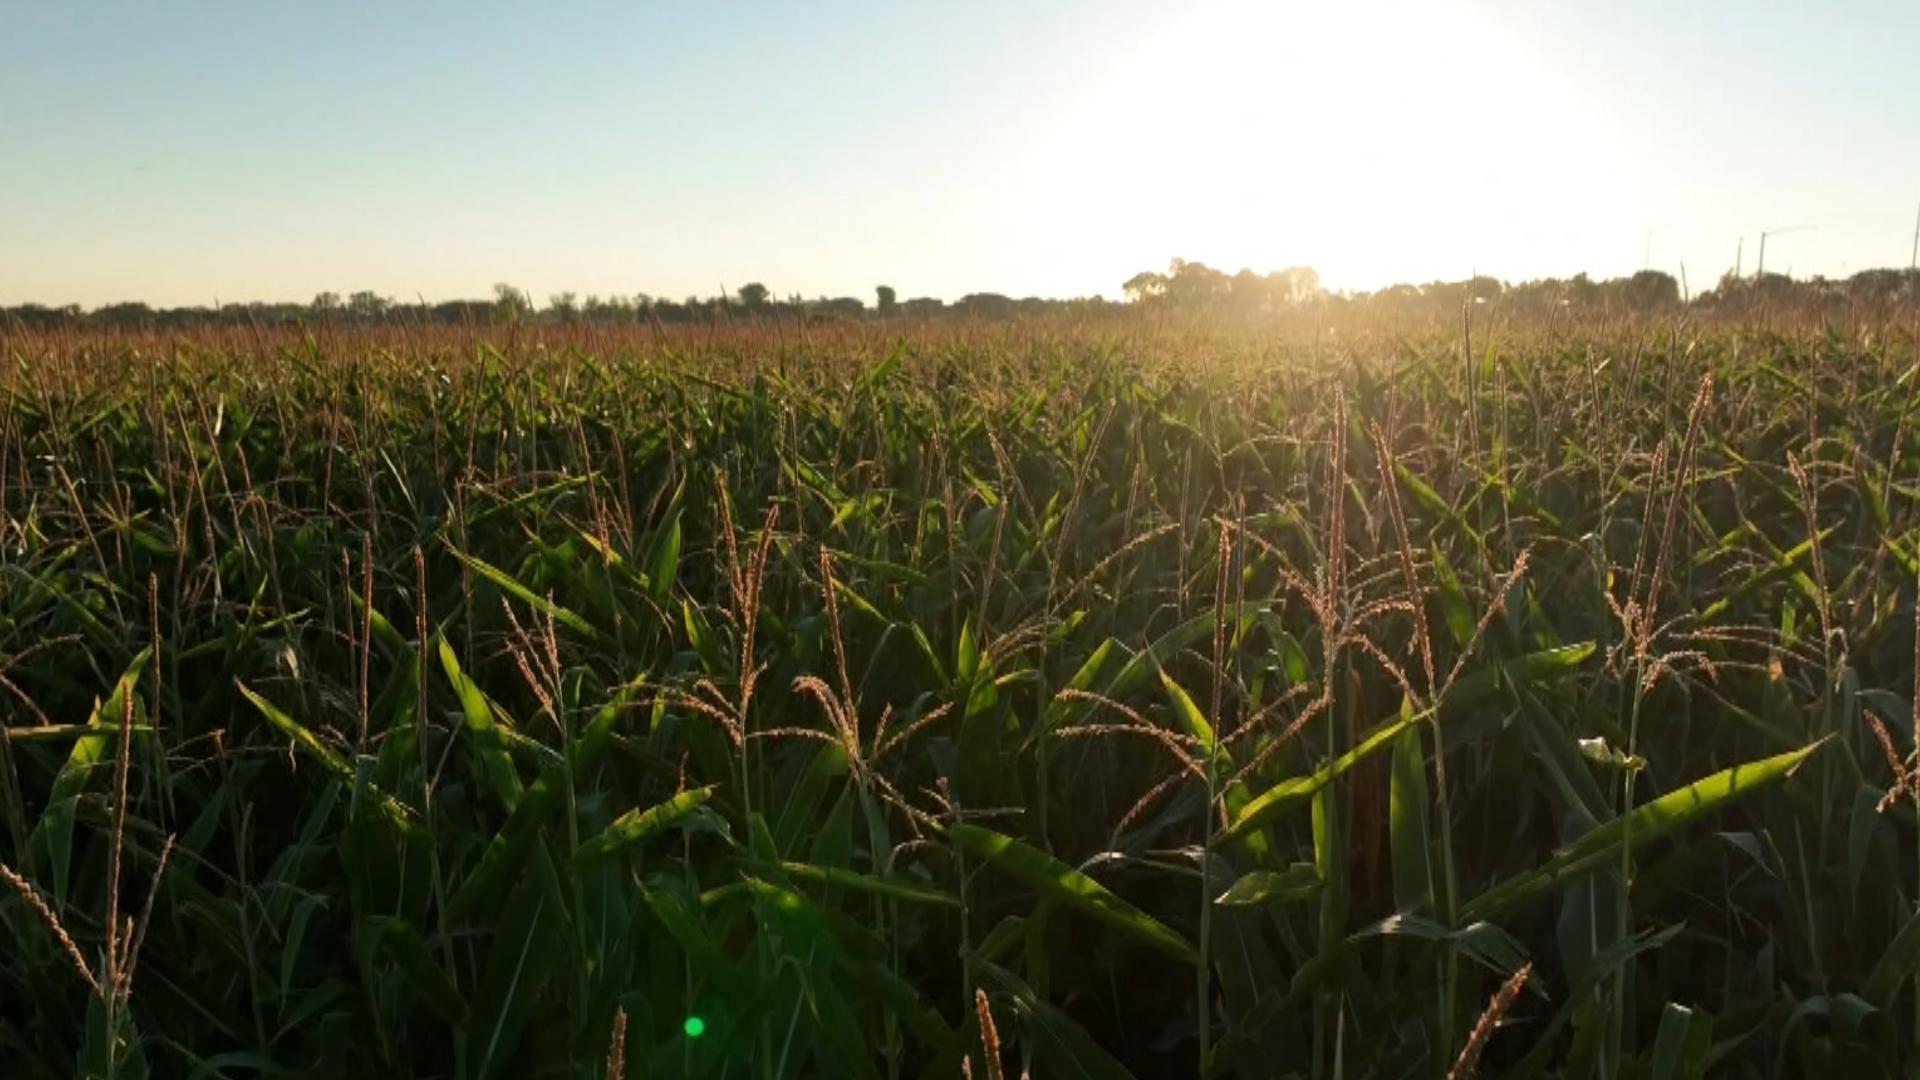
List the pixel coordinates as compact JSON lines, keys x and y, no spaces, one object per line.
{"x":1194,"y":285}
{"x":1184,"y":286}
{"x":510,"y":305}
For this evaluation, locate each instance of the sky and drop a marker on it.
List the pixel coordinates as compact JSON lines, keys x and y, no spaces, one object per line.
{"x":193,"y":152}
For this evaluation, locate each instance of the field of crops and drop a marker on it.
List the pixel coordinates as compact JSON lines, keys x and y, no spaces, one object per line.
{"x":1073,"y":699}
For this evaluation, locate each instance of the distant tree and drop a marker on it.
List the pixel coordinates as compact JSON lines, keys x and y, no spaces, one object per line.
{"x":131,"y":313}
{"x":1582,"y":290}
{"x":40,"y":316}
{"x":509,"y":303}
{"x":985,"y":304}
{"x":466,"y":312}
{"x":1296,"y":284}
{"x":615,"y":308}
{"x":1145,"y":285}
{"x":1248,"y":290}
{"x":1195,"y":284}
{"x":1650,"y":289}
{"x":367,"y":304}
{"x":1191,"y":285}
{"x":839,"y":305}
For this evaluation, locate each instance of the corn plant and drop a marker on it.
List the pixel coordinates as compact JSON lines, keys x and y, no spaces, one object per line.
{"x":1062,"y":698}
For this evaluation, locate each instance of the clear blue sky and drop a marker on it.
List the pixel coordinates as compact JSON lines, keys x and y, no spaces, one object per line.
{"x":182,"y":152}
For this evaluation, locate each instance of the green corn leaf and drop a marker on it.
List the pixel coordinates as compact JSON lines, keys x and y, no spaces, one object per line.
{"x":1061,"y":1047}
{"x":1684,"y":1043}
{"x":1192,"y":720}
{"x":636,"y":826}
{"x":683,"y":924}
{"x":1082,"y":679}
{"x":1297,"y":882}
{"x":401,"y":943}
{"x":1143,"y":663}
{"x":1455,"y":610}
{"x":507,"y":849}
{"x":308,"y":743}
{"x":1409,"y":840}
{"x":1897,"y":961}
{"x":1057,"y":881}
{"x":1463,"y":694}
{"x":528,"y":945}
{"x":325,"y":756}
{"x":492,"y":751}
{"x":663,"y":558}
{"x":1484,"y":942}
{"x":1290,"y":793}
{"x":834,"y":877}
{"x":527,"y":596}
{"x":1646,"y":823}
{"x":705,"y":645}
{"x":52,"y":837}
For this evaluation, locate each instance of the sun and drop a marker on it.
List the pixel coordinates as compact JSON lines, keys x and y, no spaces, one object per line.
{"x":1376,"y":141}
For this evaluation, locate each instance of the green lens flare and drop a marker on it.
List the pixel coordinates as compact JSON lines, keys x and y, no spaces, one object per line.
{"x":694,"y":1027}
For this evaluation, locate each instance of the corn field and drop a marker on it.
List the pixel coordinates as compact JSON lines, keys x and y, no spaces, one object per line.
{"x":1064,"y":699}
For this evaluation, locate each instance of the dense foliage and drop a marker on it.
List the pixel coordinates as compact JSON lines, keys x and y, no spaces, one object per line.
{"x":1254,"y":700}
{"x":1191,"y":288}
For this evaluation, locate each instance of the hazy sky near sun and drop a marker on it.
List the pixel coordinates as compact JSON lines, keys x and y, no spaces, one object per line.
{"x":182,"y":152}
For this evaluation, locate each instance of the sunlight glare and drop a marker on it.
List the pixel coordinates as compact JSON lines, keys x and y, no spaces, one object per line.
{"x":1360,"y":139}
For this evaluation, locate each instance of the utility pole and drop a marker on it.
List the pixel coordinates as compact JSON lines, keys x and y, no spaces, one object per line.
{"x":1761,"y":267}
{"x":1913,"y":261}
{"x":1646,"y":253}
